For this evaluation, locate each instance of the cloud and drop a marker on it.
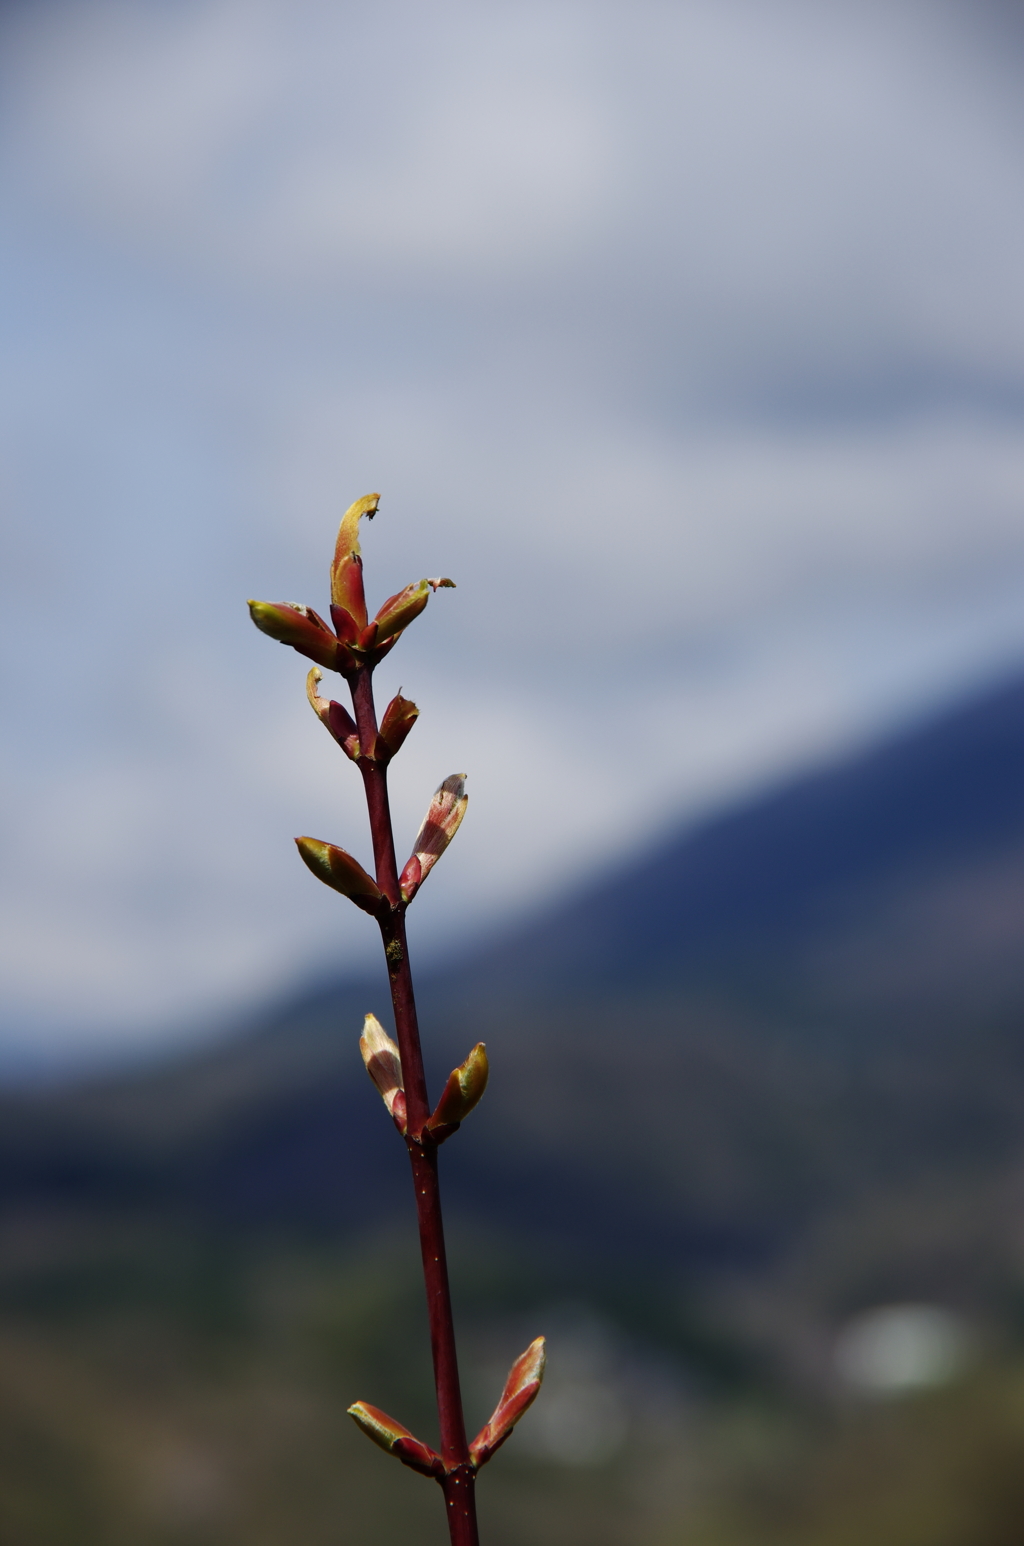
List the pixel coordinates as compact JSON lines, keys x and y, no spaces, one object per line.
{"x":688,"y":339}
{"x":305,"y":140}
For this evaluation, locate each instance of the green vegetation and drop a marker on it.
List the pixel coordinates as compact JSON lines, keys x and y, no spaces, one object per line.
{"x":160,"y":1385}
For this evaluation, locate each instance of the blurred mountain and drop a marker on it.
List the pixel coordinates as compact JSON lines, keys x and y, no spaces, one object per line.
{"x":765,"y":1077}
{"x":924,"y":833}
{"x":808,"y":1009}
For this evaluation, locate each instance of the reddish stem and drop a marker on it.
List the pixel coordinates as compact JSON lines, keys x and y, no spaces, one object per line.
{"x":459,"y":1481}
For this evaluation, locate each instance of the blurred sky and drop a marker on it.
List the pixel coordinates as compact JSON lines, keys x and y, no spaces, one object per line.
{"x":687,"y":337}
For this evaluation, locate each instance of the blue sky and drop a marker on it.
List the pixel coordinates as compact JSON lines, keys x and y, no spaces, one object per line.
{"x":689,"y":339}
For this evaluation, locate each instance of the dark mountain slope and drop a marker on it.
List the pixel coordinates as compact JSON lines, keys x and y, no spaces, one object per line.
{"x":940,"y":802}
{"x":803,"y":1011}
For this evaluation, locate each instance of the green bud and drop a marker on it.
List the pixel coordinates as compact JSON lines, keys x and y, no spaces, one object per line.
{"x":341,"y":872}
{"x":400,"y":610}
{"x":302,"y":629}
{"x":466,"y":1084}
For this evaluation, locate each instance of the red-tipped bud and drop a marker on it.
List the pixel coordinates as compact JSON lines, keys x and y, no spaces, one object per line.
{"x":337,"y":718}
{"x":396,"y":1439}
{"x":465,"y":1086}
{"x":303,"y":630}
{"x":399,"y":717}
{"x":399,"y":610}
{"x":347,"y":568}
{"x":384,"y":1066}
{"x":521,"y":1387}
{"x":440,"y":825}
{"x":338,"y":869}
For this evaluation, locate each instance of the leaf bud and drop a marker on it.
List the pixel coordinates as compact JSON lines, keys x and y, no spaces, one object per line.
{"x":399,"y":717}
{"x":399,"y":610}
{"x":521,"y":1388}
{"x":339,"y":870}
{"x":345,"y":625}
{"x":440,"y":824}
{"x":300,"y":627}
{"x":396,"y":1439}
{"x":334,"y":715}
{"x":465,"y":1086}
{"x":347,"y":568}
{"x":384,"y":1066}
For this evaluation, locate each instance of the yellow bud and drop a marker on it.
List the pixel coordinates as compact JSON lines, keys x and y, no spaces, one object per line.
{"x":466,"y":1084}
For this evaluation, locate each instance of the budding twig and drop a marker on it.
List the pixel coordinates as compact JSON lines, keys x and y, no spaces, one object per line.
{"x":355,"y":646}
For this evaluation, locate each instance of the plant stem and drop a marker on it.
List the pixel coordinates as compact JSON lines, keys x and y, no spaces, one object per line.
{"x":458,"y":1483}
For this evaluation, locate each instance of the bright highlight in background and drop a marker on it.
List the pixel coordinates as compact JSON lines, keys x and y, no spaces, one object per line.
{"x":901,"y":1348}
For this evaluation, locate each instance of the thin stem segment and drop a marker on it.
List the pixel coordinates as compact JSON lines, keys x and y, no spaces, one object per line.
{"x":458,"y":1482}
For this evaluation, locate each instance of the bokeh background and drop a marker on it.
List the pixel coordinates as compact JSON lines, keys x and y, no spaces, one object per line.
{"x":689,"y":340}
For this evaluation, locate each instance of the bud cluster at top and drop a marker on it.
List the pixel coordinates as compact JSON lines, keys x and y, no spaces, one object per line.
{"x":356,"y":641}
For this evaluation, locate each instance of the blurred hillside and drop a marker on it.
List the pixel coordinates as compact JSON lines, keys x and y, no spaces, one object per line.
{"x":763,"y":1080}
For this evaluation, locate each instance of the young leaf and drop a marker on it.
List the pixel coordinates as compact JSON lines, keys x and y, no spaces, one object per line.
{"x":303,"y":630}
{"x":399,"y":610}
{"x":396,"y":1439}
{"x":521,"y":1387}
{"x":440,"y":824}
{"x":465,"y":1086}
{"x":384,"y":1066}
{"x":347,"y":568}
{"x":341,"y":872}
{"x":336,"y":717}
{"x":399,"y":717}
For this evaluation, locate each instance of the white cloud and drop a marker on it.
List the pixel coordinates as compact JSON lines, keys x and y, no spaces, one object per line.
{"x":686,"y":337}
{"x":285,"y":140}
